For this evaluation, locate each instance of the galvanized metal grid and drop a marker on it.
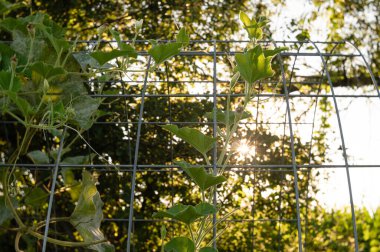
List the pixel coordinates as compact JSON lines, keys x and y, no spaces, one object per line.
{"x":214,"y":56}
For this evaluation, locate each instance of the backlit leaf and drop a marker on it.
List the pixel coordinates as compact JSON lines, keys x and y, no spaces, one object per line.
{"x":180,"y":244}
{"x":251,"y":26}
{"x":208,"y":249}
{"x":227,"y":118}
{"x":182,"y":37}
{"x":255,"y":64}
{"x":194,"y":137}
{"x":202,"y":178}
{"x":162,"y":52}
{"x":87,"y":215}
{"x":186,"y":213}
{"x":104,"y":57}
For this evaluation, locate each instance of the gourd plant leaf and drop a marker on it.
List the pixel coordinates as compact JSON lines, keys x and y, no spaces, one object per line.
{"x":47,"y":71}
{"x":85,"y":108}
{"x":84,"y":60}
{"x":38,"y":157}
{"x":36,"y":197}
{"x":6,"y":54}
{"x":255,"y":64}
{"x":202,"y":178}
{"x":274,"y":52}
{"x":186,"y":213}
{"x":251,"y":26}
{"x":104,"y":57}
{"x":5,"y":212}
{"x":182,"y":37}
{"x":227,"y":118}
{"x":6,"y":7}
{"x":122,"y":46}
{"x":208,"y":249}
{"x":163,"y":52}
{"x":88,"y":215}
{"x":6,"y":82}
{"x":194,"y":137}
{"x":180,"y":244}
{"x":69,"y":180}
{"x":23,"y":105}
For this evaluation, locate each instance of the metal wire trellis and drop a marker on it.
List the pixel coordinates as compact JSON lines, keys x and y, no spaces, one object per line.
{"x":138,"y":94}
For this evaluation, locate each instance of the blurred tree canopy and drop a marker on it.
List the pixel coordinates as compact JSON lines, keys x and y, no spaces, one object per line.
{"x":204,"y":20}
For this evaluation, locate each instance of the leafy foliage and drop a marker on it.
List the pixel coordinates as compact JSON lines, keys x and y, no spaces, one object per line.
{"x":88,"y":214}
{"x":203,"y":179}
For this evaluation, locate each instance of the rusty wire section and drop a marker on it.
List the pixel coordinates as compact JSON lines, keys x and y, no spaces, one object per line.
{"x":309,"y":86}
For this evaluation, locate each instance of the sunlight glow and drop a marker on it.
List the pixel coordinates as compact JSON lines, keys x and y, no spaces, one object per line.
{"x":245,"y":151}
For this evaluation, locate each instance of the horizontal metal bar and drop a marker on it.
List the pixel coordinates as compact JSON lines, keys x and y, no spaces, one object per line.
{"x":177,"y":123}
{"x":167,"y":167}
{"x":232,"y":95}
{"x":230,"y":220}
{"x":217,"y":41}
{"x":205,"y":81}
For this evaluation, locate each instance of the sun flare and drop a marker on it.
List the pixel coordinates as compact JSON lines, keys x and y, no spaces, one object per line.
{"x":245,"y":151}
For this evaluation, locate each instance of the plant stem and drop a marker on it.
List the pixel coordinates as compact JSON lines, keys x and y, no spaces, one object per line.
{"x":65,"y":243}
{"x":191,"y":232}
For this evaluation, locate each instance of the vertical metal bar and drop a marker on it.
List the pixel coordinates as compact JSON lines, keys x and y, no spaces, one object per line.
{"x":294,"y":165}
{"x":343,"y":147}
{"x":52,"y":189}
{"x":133,"y":186}
{"x":311,"y":141}
{"x":368,"y":67}
{"x":214,"y":133}
{"x":287,"y":111}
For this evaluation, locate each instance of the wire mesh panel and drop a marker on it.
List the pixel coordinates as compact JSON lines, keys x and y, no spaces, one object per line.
{"x":297,"y":133}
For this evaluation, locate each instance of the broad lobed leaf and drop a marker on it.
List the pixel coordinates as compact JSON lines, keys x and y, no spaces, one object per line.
{"x":104,"y":57}
{"x":255,"y":64}
{"x":186,"y":213}
{"x":194,"y":137}
{"x":202,"y":178}
{"x":180,"y":244}
{"x":88,"y":215}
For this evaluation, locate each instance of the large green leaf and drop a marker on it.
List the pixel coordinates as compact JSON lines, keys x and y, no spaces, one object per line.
{"x":208,"y":249}
{"x":104,"y":57}
{"x":6,"y":7}
{"x":251,"y":26}
{"x":73,"y":186}
{"x":186,"y":213}
{"x":182,"y":37}
{"x":202,"y":178}
{"x":194,"y":137}
{"x":88,"y":215}
{"x":180,"y":244}
{"x":5,"y":212}
{"x":47,"y":71}
{"x":255,"y":64}
{"x":36,"y":197}
{"x":162,"y":52}
{"x":38,"y":157}
{"x":227,"y":118}
{"x":84,"y":60}
{"x":6,"y":54}
{"x":6,"y":80}
{"x":23,"y":105}
{"x":85,"y":108}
